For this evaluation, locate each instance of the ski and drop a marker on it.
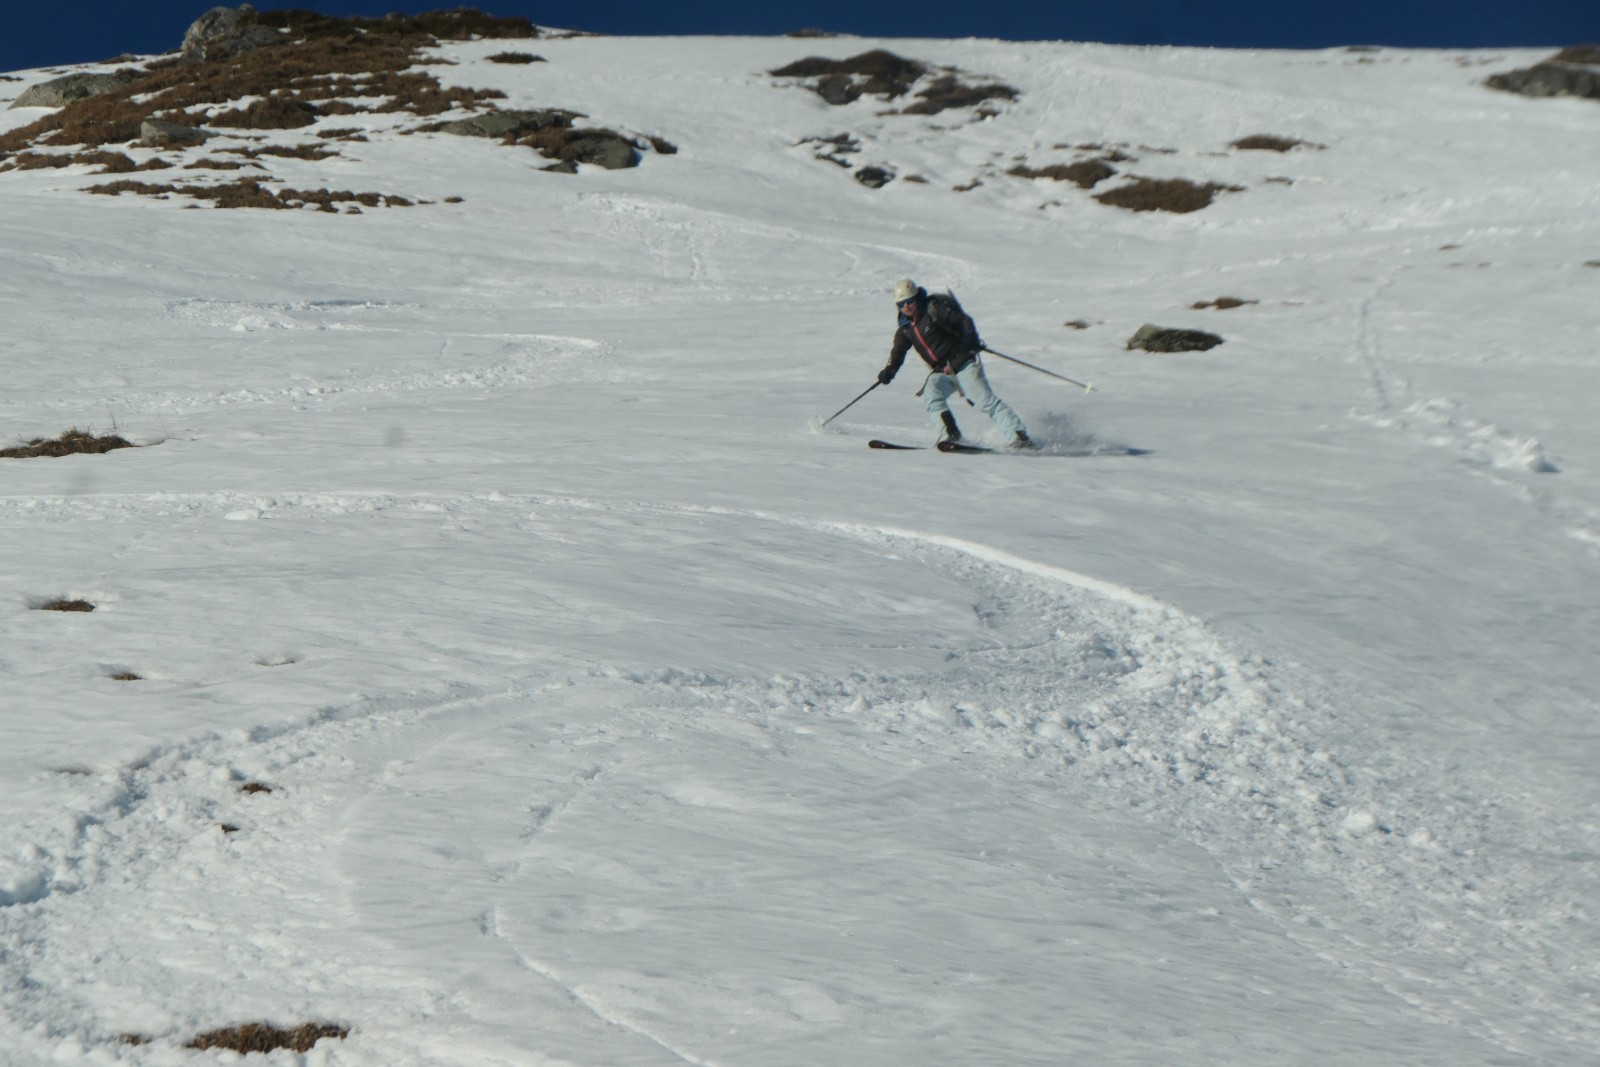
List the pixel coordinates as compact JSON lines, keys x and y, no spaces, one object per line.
{"x":943,"y":446}
{"x":981,"y":450}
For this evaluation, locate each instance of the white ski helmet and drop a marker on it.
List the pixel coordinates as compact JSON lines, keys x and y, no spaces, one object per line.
{"x":904,"y":290}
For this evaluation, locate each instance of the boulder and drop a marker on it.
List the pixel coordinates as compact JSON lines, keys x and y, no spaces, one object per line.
{"x":1570,"y":72}
{"x":159,"y":133}
{"x":59,"y":92}
{"x":602,"y":149}
{"x":1167,"y":339}
{"x":508,"y":123}
{"x":874,"y":177}
{"x":1550,"y":79}
{"x":225,"y":32}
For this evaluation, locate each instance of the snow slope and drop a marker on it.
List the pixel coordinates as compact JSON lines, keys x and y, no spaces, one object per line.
{"x":613,"y":714}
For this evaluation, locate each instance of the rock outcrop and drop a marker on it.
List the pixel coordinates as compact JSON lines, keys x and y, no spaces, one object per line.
{"x":508,"y":123}
{"x":225,"y":32}
{"x":159,"y":133}
{"x":1570,"y":72}
{"x":1169,"y":339}
{"x":550,"y":132}
{"x":59,"y":92}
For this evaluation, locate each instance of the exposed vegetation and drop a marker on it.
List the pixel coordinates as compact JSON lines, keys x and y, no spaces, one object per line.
{"x":1176,"y":195}
{"x":63,"y":604}
{"x":1583,"y":55}
{"x":299,"y":151}
{"x":263,"y":1037}
{"x":552,"y":133}
{"x":71,"y":442}
{"x":322,"y":64}
{"x":1266,"y":142}
{"x":316,"y":66}
{"x":883,"y":74}
{"x":252,"y":193}
{"x":1085,"y":174}
{"x":1573,"y":71}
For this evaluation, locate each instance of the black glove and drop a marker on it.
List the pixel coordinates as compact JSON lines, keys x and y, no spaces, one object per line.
{"x":885,"y":376}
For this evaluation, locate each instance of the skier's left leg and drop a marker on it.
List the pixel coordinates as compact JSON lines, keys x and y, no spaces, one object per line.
{"x":976,"y":385}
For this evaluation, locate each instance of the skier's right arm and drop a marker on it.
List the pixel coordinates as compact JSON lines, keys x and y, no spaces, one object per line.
{"x":897,"y":356}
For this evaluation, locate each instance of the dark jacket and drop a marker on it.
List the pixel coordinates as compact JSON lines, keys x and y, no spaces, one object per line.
{"x":941,"y":333}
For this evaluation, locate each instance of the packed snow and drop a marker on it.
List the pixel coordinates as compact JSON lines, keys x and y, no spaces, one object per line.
{"x":610,"y":709}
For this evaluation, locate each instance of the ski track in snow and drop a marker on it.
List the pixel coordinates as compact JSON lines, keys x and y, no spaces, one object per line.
{"x":1107,"y":683}
{"x":1486,"y":449}
{"x":529,"y":361}
{"x":520,"y":361}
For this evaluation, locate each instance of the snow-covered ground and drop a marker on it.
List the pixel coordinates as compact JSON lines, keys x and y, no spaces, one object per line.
{"x":614,"y":714}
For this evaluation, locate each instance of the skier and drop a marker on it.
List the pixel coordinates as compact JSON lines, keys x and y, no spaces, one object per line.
{"x":947,"y":340}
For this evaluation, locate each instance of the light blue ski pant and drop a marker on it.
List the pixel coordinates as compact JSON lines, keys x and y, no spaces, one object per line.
{"x":940,"y":388}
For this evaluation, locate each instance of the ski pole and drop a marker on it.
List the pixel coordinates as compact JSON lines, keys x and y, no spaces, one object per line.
{"x":850,"y":405}
{"x":1085,"y":386}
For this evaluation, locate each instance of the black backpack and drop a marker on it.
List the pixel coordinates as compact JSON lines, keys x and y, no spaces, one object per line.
{"x":952,"y":318}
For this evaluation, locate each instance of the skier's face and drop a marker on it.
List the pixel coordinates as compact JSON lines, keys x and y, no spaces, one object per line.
{"x":908,"y":307}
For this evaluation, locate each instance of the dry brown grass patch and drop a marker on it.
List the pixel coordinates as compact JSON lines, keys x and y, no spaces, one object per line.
{"x":1266,"y":142}
{"x":71,"y":442}
{"x":280,"y":111}
{"x":950,"y":91}
{"x":883,"y":74}
{"x":39,"y":161}
{"x":515,"y":57}
{"x":126,"y":676}
{"x":1222,"y":303}
{"x":1085,"y":174}
{"x":263,"y":1037}
{"x":880,"y":73}
{"x":250,"y":193}
{"x":63,"y":604}
{"x":1176,"y":195}
{"x":221,"y":164}
{"x":320,"y":59}
{"x":108,"y":162}
{"x":1587,"y":55}
{"x":299,"y":151}
{"x":128,"y":185}
{"x":255,"y":787}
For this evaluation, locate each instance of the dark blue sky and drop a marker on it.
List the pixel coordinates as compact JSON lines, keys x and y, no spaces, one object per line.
{"x":42,"y":34}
